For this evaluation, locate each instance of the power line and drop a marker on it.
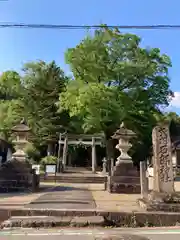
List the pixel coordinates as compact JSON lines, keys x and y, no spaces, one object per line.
{"x":79,"y":27}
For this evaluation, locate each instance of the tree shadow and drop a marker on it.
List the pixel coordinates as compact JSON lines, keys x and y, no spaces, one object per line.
{"x":66,"y":188}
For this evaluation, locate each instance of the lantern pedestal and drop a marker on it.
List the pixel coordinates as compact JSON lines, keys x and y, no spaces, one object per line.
{"x":125,"y":177}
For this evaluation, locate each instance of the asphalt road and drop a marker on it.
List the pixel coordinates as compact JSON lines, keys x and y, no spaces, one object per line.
{"x":91,"y":234}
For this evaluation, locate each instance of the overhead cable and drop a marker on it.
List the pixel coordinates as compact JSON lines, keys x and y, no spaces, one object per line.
{"x":79,"y":27}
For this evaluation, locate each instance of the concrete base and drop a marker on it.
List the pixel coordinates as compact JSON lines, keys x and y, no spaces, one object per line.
{"x":120,"y":187}
{"x":160,"y":202}
{"x":125,"y":179}
{"x":17,"y":175}
{"x":166,"y":207}
{"x":125,"y":169}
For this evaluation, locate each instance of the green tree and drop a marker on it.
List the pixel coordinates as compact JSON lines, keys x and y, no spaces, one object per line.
{"x":116,"y":80}
{"x":10,"y":85}
{"x":10,"y":89}
{"x":174,"y":123}
{"x":42,"y":83}
{"x":9,"y":116}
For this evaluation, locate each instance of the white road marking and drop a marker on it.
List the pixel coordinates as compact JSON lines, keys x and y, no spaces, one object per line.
{"x":28,"y":217}
{"x":51,"y":234}
{"x":46,"y":232}
{"x":157,"y":233}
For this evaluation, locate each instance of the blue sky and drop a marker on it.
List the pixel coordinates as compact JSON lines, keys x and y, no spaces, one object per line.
{"x":18,"y":46}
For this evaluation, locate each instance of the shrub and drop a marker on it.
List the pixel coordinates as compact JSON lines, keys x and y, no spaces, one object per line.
{"x":48,"y":160}
{"x":32,"y":153}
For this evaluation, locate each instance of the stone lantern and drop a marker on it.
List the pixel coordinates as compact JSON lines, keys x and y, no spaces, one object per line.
{"x":123,"y":135}
{"x":125,"y":177}
{"x":21,"y":131}
{"x":18,"y":174}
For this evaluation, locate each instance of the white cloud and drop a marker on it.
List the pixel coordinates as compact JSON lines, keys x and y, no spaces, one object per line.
{"x":176,"y":100}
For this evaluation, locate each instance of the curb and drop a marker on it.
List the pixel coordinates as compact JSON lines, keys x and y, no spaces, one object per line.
{"x":49,"y":222}
{"x":119,"y":219}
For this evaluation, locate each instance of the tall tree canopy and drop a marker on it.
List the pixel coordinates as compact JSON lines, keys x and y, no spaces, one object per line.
{"x":42,"y":83}
{"x":10,"y":85}
{"x":10,"y":90}
{"x":33,"y":95}
{"x":116,"y":80}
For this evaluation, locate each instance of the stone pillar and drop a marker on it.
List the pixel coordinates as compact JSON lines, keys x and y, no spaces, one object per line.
{"x":112,"y":166}
{"x":65,"y":151}
{"x":93,"y":155}
{"x":163,"y":168}
{"x":143,"y":180}
{"x":59,"y":163}
{"x":35,"y":181}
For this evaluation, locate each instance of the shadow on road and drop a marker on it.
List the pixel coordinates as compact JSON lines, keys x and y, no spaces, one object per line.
{"x":66,"y":188}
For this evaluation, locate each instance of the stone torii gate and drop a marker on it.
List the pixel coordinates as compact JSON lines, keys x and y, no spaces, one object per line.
{"x":81,"y":139}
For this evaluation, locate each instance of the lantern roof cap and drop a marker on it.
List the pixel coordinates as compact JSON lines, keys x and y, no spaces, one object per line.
{"x":21,"y":127}
{"x":123,"y":131}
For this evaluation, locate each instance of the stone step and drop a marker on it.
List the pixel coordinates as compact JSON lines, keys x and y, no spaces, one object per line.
{"x":40,"y":211}
{"x":51,"y":221}
{"x":73,"y":179}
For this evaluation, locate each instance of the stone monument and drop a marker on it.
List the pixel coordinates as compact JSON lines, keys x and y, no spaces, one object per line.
{"x":125,"y":177}
{"x":163,"y":196}
{"x":163,"y":181}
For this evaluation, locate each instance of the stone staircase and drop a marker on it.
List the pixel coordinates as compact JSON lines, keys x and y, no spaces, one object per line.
{"x":75,"y":175}
{"x":74,"y":179}
{"x":60,"y":206}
